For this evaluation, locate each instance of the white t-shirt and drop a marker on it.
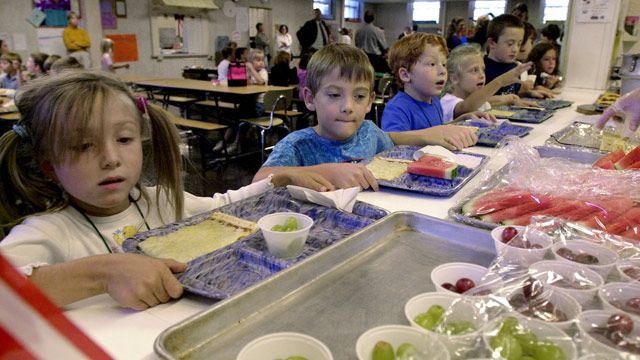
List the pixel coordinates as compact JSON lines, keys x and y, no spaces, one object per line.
{"x":264,"y":75}
{"x":223,"y":69}
{"x":66,"y":235}
{"x":449,"y":102}
{"x":283,"y":42}
{"x":106,"y":62}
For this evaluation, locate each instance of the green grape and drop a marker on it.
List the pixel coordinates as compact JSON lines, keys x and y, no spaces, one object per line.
{"x":382,"y":351}
{"x":291,"y":224}
{"x":295,"y":357}
{"x":278,"y":227}
{"x":548,"y":351}
{"x":430,"y":319}
{"x":509,"y":326}
{"x":528,"y":341}
{"x":406,"y":351}
{"x":508,"y":346}
{"x":463,"y":327}
{"x":527,"y":358}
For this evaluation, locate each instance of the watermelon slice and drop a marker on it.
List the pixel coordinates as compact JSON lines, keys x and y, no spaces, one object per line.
{"x":631,"y":158}
{"x":584,"y":210}
{"x":608,"y":161}
{"x":611,"y":211}
{"x":629,"y":220}
{"x":633,"y":233}
{"x":497,"y":199}
{"x":634,"y":166}
{"x":434,"y":166}
{"x":533,"y":203}
{"x":559,"y":207}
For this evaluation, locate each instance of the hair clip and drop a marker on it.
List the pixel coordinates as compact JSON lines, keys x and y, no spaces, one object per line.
{"x":21,"y":131}
{"x":141,"y":104}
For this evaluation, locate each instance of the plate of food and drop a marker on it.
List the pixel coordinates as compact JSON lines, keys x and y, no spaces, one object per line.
{"x":225,"y":251}
{"x":430,"y":174}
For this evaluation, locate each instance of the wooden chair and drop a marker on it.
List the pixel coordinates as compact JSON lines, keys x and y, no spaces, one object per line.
{"x":274,"y":101}
{"x":201,"y":128}
{"x":288,"y":113}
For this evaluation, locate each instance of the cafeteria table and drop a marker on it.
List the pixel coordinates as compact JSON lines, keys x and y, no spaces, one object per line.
{"x":128,"y":334}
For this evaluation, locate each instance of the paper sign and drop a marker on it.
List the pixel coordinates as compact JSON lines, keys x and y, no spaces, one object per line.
{"x":125,"y":47}
{"x":36,"y":17}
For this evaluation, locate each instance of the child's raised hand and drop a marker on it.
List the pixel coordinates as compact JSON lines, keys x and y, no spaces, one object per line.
{"x":513,"y":76}
{"x":139,"y":282}
{"x":344,"y":175}
{"x":627,"y":108}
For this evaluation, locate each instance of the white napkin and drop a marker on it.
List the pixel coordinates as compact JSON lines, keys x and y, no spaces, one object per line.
{"x":341,"y":199}
{"x":468,"y":161}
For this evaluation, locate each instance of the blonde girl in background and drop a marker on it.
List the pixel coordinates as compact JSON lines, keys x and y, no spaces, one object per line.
{"x":107,"y":64}
{"x":465,"y":90}
{"x":74,"y":188}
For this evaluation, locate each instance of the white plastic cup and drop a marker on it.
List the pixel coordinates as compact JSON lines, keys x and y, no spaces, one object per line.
{"x":285,"y":244}
{"x":283,"y":345}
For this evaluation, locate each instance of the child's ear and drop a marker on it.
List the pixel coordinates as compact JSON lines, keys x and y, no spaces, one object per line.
{"x":47,"y":169}
{"x":307,"y":94}
{"x":403,"y":73}
{"x":454,"y":78}
{"x":491,"y":43}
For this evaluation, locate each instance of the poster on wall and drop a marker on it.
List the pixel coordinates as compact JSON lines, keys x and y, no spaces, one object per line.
{"x":107,"y":14}
{"x":125,"y":47}
{"x":594,"y":11}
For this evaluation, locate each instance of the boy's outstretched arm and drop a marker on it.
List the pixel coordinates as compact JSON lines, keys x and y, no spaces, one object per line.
{"x":452,"y":137}
{"x":134,"y":281}
{"x":323,"y":177}
{"x":475,"y":100}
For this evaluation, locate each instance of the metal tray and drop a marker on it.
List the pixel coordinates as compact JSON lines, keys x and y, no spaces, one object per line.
{"x":336,"y":295}
{"x":455,"y":212}
{"x":489,"y":135}
{"x":229,"y":270}
{"x":578,"y":135}
{"x":425,"y":184}
{"x":531,"y":116}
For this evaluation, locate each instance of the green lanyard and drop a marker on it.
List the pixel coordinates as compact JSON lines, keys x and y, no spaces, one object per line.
{"x":104,"y":241}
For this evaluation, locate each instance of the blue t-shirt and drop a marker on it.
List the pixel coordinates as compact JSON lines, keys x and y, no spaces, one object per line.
{"x":306,"y":148}
{"x":9,"y":82}
{"x":493,"y":69}
{"x":404,"y":113}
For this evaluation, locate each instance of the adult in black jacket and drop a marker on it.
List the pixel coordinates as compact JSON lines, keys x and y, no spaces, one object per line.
{"x":309,"y":37}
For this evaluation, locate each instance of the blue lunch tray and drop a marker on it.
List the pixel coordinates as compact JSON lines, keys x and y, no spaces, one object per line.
{"x":426,"y":184}
{"x":489,"y":135}
{"x":229,"y":270}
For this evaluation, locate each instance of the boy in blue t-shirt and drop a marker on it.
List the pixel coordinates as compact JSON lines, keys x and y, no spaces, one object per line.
{"x":339,"y":88}
{"x":419,"y":62}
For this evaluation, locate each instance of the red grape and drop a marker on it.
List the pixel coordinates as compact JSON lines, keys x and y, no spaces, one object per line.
{"x":566,"y":253}
{"x":634,"y":303}
{"x":632,"y":272}
{"x":508,"y":233}
{"x":587,"y":259}
{"x":464,"y":284}
{"x":620,"y":323}
{"x":449,"y":286}
{"x":532,"y":288}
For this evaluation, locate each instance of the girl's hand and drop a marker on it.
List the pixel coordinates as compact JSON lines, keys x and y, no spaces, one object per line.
{"x":455,"y":137}
{"x":344,"y":175}
{"x":517,"y":101}
{"x":627,"y":108}
{"x":139,"y":282}
{"x":541,"y":92}
{"x":551,"y":81}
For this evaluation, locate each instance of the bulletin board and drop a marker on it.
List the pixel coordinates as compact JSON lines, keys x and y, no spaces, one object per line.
{"x":125,"y":47}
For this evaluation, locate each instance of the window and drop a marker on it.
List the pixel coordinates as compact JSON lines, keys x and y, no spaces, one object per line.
{"x":352,"y":9}
{"x":326,"y":8}
{"x":495,"y":7}
{"x":555,"y":10}
{"x":426,"y":11}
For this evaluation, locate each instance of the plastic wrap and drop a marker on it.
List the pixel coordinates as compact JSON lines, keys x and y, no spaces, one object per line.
{"x":556,"y":290}
{"x":527,"y":185}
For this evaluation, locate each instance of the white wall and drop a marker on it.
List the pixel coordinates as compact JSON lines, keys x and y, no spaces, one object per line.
{"x":588,"y":49}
